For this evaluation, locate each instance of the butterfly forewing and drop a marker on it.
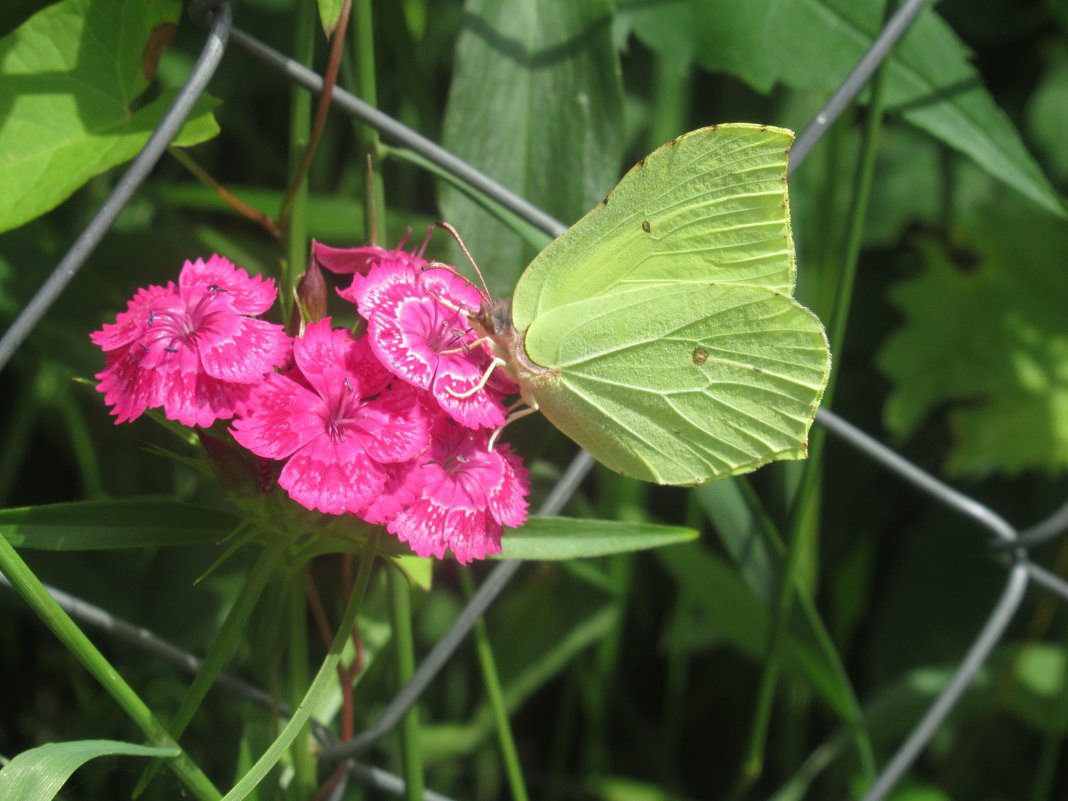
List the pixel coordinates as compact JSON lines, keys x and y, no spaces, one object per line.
{"x":709,"y":206}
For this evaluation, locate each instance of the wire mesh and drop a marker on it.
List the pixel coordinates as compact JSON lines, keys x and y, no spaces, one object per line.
{"x":1003,"y":537}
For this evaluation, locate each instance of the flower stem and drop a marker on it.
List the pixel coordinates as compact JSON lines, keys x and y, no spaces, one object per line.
{"x":400,"y":606}
{"x":34,"y":593}
{"x":366,"y":88}
{"x":320,"y":684}
{"x":512,"y":768}
{"x":292,"y":217}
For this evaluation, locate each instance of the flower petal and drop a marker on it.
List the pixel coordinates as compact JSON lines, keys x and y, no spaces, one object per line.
{"x":251,"y":295}
{"x":395,"y":426}
{"x":332,"y":476}
{"x":130,"y":324}
{"x":281,"y":417}
{"x":255,"y":348}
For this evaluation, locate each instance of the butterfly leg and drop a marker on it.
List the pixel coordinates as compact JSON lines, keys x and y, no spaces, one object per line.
{"x":485,"y":377}
{"x":511,"y":418}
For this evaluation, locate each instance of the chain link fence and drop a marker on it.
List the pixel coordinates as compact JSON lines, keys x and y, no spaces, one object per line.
{"x":994,"y":532}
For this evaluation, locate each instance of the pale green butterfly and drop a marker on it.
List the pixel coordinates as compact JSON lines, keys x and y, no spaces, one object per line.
{"x":658,"y":332}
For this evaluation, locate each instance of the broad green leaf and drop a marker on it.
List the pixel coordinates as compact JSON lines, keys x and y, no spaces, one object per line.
{"x":986,"y":334}
{"x":813,"y":44}
{"x":71,"y":77}
{"x":549,"y":123}
{"x":555,"y":538}
{"x":98,"y":525}
{"x":38,"y":774}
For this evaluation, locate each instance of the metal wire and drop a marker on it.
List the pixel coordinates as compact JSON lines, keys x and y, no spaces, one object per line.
{"x":1006,"y":537}
{"x":894,"y":29}
{"x":167,"y":129}
{"x":962,"y":677}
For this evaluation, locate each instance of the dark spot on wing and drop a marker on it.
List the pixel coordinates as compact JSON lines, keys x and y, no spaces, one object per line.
{"x":646,"y":226}
{"x":700,"y":356}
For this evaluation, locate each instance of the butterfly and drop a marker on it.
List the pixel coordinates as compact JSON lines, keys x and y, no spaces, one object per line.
{"x":659,"y":332}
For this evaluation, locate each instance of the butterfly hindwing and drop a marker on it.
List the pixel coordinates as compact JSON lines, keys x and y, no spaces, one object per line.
{"x":680,"y":383}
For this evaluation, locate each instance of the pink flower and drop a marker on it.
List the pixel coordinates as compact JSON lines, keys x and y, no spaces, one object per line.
{"x":467,"y":495}
{"x":418,"y":323}
{"x":336,"y":422}
{"x":192,"y":349}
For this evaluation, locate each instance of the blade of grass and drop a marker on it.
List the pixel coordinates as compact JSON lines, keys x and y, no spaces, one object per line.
{"x":292,"y":217}
{"x":374,"y":230}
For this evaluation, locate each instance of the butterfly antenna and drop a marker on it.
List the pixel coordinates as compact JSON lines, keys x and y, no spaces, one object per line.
{"x":463,"y":247}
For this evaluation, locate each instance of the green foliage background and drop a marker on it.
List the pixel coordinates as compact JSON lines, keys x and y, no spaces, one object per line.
{"x":630,"y":676}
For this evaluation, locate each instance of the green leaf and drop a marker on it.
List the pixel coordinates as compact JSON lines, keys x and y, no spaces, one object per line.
{"x":38,"y":774}
{"x":72,"y":75}
{"x":329,"y":13}
{"x":548,"y":125}
{"x":98,"y":525}
{"x":985,"y":332}
{"x":556,"y":538}
{"x":813,"y":44}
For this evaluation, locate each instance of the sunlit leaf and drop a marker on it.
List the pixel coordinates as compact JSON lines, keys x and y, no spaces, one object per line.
{"x":72,"y":77}
{"x":985,"y":332}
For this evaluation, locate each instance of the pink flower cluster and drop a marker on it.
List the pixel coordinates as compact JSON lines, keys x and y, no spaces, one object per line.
{"x":393,"y":426}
